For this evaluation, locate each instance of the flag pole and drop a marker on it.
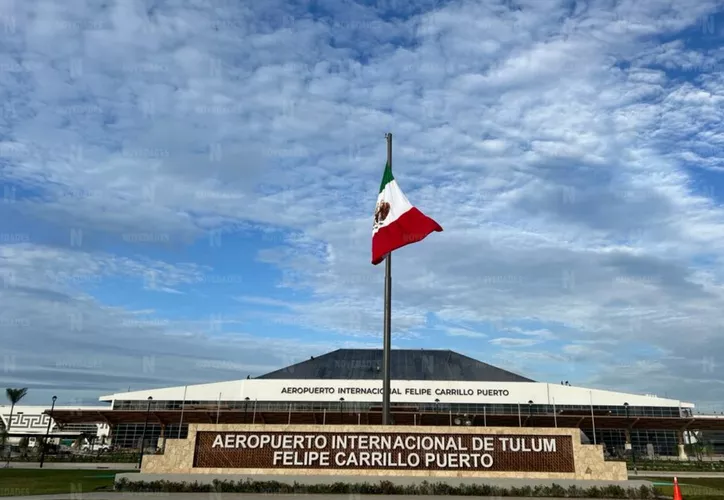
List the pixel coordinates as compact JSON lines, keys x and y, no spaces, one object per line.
{"x":183,"y":405}
{"x":387,"y":338}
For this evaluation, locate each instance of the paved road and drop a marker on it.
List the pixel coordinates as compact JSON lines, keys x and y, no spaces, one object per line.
{"x":72,"y":465}
{"x":238,"y":496}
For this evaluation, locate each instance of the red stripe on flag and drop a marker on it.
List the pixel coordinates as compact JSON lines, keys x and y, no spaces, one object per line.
{"x":411,"y":227}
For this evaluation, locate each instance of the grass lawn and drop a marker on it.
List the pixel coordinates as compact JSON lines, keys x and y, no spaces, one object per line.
{"x":695,"y":487}
{"x":19,"y":482}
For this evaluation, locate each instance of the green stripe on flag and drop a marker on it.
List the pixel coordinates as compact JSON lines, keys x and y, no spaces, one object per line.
{"x":386,"y":177}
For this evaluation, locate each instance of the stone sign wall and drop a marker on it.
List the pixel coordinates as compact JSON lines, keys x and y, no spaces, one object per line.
{"x":536,"y":453}
{"x":384,"y":450}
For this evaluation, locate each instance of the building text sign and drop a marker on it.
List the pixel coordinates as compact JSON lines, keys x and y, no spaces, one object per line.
{"x":395,"y":391}
{"x":413,"y":451}
{"x":401,"y":391}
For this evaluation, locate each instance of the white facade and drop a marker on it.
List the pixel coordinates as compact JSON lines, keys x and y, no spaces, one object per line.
{"x":404,"y":391}
{"x":30,"y":420}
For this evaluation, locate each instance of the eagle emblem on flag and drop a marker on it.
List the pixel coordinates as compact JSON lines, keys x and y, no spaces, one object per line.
{"x":381,"y":212}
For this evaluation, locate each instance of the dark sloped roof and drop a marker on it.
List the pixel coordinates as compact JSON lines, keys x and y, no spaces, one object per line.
{"x":405,"y":364}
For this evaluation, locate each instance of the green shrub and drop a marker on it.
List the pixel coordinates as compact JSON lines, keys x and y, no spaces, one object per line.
{"x":676,"y":466}
{"x":384,"y":488}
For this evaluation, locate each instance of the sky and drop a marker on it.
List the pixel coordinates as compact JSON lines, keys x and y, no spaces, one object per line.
{"x":187,"y":189}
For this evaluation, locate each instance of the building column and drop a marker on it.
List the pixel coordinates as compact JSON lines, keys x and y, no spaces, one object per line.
{"x":162,"y":439}
{"x":111,"y":435}
{"x":682,"y":448}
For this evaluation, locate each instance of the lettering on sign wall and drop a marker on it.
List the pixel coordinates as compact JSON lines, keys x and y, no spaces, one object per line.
{"x":281,"y":450}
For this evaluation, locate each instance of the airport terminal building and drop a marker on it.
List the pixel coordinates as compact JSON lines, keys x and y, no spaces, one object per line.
{"x":429,"y":388}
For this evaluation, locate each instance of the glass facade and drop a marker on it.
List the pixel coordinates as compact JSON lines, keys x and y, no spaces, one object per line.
{"x":91,"y":429}
{"x":714,"y":440}
{"x":129,"y":435}
{"x":353,"y":406}
{"x":644,"y":442}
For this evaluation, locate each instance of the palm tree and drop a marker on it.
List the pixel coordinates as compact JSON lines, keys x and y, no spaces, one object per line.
{"x":14,"y":396}
{"x":24,"y":443}
{"x":83,"y":438}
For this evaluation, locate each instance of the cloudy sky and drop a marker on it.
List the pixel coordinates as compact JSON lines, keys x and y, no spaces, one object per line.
{"x":187,"y":188}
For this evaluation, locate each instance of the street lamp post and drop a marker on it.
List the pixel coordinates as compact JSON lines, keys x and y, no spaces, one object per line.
{"x":143,"y":434}
{"x":47,"y":433}
{"x":628,"y":429}
{"x":341,"y":400}
{"x":530,"y":409}
{"x":246,"y":407}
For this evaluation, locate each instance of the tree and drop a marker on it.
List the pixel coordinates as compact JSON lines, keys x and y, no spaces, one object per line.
{"x":23,"y":445}
{"x":83,"y":439}
{"x":14,"y":396}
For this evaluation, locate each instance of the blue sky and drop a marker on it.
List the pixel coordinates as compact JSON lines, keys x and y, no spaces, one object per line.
{"x":187,"y":191}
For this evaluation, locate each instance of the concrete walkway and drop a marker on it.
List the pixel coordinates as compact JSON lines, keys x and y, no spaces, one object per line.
{"x":653,"y":473}
{"x":73,"y":465}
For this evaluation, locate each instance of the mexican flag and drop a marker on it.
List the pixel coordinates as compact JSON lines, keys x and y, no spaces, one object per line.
{"x":397,"y":222}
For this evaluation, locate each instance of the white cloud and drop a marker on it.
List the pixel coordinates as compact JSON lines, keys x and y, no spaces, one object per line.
{"x":541,"y":334}
{"x":513,"y":342}
{"x":462,"y":332}
{"x":555,"y":148}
